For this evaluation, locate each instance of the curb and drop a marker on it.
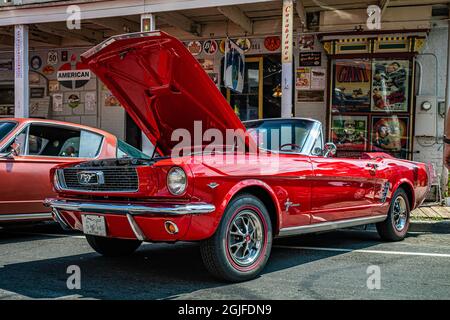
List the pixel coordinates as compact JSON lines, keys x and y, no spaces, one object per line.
{"x":442,"y":226}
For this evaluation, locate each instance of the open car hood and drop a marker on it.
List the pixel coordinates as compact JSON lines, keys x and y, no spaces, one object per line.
{"x":161,"y":86}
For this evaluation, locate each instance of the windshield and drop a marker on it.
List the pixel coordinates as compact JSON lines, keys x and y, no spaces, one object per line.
{"x":124,"y":150}
{"x":5,"y":128}
{"x":281,"y":135}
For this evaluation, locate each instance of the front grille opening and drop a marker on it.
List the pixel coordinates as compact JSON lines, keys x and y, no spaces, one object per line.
{"x":116,"y":179}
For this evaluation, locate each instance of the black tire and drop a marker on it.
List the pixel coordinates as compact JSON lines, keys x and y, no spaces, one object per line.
{"x":389,"y":229}
{"x":111,"y":247}
{"x":217,"y":253}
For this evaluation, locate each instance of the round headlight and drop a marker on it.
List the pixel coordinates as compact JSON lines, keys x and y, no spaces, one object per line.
{"x":176,"y":181}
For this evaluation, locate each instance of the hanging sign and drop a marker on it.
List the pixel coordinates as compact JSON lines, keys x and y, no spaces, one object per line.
{"x":195,"y":47}
{"x":73,"y":74}
{"x":210,"y":47}
{"x":244,"y":43}
{"x":288,"y":13}
{"x":234,"y":67}
{"x":272,"y":43}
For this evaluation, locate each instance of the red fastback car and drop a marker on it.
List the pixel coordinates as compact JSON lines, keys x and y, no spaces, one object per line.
{"x":29,"y":148}
{"x":281,"y":181}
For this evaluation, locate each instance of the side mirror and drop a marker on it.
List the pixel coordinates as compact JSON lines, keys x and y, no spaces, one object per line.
{"x":15,"y":149}
{"x":317,"y":151}
{"x":329,"y":149}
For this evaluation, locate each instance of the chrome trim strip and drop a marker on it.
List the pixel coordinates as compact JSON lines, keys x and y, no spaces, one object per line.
{"x":60,"y":219}
{"x":25,"y":216}
{"x":135,"y":227}
{"x":327,"y":226}
{"x":132,"y":209}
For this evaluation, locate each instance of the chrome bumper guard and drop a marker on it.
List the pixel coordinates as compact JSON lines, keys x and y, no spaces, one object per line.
{"x":131,"y":209}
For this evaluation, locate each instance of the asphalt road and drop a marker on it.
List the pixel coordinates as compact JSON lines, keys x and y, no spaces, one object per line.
{"x":34,"y":261}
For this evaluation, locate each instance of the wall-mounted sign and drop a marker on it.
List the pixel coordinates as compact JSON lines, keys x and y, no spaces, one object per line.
{"x":310,"y":59}
{"x":34,"y":78}
{"x":64,"y":56}
{"x":6,"y":65}
{"x":48,"y":70}
{"x":272,"y":43}
{"x":210,"y":47}
{"x":57,"y":102}
{"x":52,"y":58}
{"x":286,"y":35}
{"x":35,"y":62}
{"x":74,"y":101}
{"x":73,"y":74}
{"x":90,"y":100}
{"x":53,"y":85}
{"x":195,"y":47}
{"x":37,"y":93}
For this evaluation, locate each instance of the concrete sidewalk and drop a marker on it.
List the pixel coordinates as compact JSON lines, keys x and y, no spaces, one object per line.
{"x":434,"y":219}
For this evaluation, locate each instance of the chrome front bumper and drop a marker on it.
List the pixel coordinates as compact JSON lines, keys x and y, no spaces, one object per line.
{"x":131,"y":209}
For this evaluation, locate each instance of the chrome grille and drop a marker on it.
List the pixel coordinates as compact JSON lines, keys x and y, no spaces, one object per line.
{"x":116,"y":179}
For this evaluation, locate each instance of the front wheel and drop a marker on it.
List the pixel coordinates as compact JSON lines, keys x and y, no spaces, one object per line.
{"x":112,"y":247}
{"x":395,"y":227}
{"x":241,"y":246}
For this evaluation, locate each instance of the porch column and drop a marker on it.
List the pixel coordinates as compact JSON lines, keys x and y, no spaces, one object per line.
{"x":21,"y":91}
{"x":286,"y":58}
{"x":444,"y":174}
{"x":148,"y":23}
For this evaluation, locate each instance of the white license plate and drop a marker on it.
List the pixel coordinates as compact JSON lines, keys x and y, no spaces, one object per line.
{"x":94,"y":225}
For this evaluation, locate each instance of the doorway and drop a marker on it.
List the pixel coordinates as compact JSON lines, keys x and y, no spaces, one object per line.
{"x":261,"y":96}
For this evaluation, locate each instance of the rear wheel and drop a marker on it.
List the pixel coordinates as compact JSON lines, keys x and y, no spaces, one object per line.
{"x":395,"y":227}
{"x":239,"y":249}
{"x":112,"y":247}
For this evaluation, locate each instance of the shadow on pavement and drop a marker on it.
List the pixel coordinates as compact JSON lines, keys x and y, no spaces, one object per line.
{"x":155,"y":271}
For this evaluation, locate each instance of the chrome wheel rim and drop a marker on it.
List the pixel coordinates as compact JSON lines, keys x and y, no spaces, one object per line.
{"x":245,"y":238}
{"x":400,"y":213}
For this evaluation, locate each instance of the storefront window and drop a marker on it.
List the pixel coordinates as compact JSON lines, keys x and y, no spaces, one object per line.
{"x":370,"y":106}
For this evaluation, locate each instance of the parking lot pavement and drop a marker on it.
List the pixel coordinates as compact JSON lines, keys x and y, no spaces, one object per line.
{"x":34,"y":262}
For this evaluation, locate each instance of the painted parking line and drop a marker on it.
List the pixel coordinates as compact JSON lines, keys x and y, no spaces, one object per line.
{"x":401,"y":253}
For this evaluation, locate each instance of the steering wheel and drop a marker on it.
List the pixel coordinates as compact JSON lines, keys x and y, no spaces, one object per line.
{"x":292,"y":145}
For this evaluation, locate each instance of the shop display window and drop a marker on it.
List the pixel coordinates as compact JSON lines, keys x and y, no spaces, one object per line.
{"x":370,"y":106}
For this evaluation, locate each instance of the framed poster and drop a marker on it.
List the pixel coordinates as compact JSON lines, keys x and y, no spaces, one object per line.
{"x":390,"y":81}
{"x":318,"y":78}
{"x":306,"y":42}
{"x":351,"y":89}
{"x":350,"y":133}
{"x":390,"y":134}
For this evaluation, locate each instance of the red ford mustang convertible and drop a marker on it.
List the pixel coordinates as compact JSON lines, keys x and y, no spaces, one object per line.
{"x":280,"y":181}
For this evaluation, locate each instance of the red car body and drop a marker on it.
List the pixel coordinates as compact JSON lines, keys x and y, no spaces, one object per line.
{"x":164,"y":88}
{"x":24,"y":178}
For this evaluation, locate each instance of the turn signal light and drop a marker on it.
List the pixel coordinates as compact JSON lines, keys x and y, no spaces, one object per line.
{"x":171,"y":227}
